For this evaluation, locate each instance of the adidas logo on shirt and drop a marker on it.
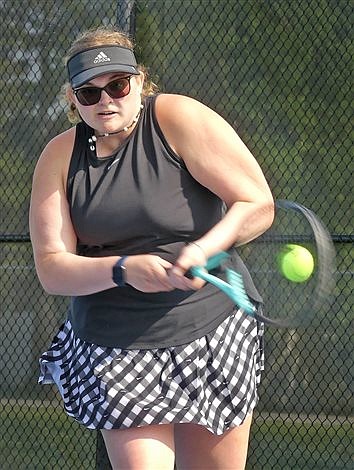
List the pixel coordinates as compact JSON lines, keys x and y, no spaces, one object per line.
{"x":101,"y":57}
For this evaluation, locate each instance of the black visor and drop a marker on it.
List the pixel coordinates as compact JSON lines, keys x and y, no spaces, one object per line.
{"x":96,"y":61}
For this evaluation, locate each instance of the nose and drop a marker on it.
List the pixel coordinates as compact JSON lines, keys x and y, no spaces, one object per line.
{"x":105,"y":98}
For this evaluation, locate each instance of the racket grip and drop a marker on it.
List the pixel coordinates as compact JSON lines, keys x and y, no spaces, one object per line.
{"x":212,"y":263}
{"x":189,"y":274}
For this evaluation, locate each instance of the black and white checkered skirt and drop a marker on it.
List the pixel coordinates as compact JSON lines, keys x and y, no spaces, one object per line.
{"x":211,"y":381}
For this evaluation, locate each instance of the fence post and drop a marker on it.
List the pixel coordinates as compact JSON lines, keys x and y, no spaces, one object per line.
{"x":126,"y":16}
{"x":102,"y":460}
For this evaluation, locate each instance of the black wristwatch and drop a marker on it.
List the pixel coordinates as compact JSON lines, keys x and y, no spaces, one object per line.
{"x":118,"y":275}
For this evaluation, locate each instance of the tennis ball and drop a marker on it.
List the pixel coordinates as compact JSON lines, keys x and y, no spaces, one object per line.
{"x":296,"y":263}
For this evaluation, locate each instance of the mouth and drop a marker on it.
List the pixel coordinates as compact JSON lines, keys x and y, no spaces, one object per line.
{"x":107,"y":113}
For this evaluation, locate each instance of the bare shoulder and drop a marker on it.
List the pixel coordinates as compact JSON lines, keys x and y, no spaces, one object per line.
{"x":55,"y":157}
{"x":179,"y":107}
{"x":186,"y":123}
{"x":60,"y":146}
{"x":211,"y":149}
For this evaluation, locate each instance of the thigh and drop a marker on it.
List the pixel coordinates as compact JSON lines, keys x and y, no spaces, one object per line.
{"x":147,"y":447}
{"x":198,"y":448}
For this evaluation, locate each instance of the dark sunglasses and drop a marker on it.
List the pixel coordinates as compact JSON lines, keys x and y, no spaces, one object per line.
{"x":117,"y":88}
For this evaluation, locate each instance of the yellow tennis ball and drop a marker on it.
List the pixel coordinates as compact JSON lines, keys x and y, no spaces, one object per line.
{"x":296,"y":263}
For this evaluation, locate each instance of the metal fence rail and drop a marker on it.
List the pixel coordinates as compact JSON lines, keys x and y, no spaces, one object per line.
{"x":280,"y":73}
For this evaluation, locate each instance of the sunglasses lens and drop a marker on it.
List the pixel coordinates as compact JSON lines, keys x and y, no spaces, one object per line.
{"x":88,"y":96}
{"x":118,"y":88}
{"x":92,"y":95}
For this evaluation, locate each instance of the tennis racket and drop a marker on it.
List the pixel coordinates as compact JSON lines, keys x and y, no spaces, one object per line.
{"x":287,"y":303}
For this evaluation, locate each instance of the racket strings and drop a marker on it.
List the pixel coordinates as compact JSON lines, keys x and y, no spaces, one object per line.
{"x":289,"y":303}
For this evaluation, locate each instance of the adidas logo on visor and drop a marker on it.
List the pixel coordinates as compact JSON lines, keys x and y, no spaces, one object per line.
{"x":101,"y":57}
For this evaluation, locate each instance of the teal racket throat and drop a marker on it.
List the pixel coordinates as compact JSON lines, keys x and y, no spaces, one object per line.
{"x":233,"y":288}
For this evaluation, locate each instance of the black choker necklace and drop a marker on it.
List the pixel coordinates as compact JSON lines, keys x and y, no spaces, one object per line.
{"x":94,"y":138}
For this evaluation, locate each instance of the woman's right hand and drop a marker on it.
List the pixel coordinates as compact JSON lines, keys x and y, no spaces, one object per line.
{"x":148,"y":273}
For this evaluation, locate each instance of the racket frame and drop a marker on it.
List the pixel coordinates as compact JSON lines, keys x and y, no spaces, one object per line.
{"x":235,"y":289}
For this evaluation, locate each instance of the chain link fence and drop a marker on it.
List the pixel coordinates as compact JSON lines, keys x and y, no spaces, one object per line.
{"x":281,"y":73}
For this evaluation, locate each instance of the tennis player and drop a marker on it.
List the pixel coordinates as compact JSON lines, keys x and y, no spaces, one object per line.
{"x":123,"y":204}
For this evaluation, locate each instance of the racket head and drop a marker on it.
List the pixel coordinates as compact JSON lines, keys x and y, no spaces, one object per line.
{"x":289,"y":304}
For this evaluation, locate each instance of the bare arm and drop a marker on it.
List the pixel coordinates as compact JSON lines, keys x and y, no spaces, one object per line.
{"x":219,"y":160}
{"x":60,"y":270}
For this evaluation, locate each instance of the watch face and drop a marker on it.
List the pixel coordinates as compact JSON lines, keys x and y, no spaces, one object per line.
{"x":119,"y":272}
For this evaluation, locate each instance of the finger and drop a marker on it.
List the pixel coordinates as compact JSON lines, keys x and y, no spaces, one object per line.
{"x":176,"y":278}
{"x":165,"y":264}
{"x":180,"y":281}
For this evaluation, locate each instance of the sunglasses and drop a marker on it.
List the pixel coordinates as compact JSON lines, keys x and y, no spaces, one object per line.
{"x":90,"y":95}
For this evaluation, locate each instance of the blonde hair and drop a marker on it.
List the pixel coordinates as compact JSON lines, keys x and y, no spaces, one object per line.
{"x":101,"y":36}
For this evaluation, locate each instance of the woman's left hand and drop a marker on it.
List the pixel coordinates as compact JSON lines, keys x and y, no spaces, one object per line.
{"x":191,"y":255}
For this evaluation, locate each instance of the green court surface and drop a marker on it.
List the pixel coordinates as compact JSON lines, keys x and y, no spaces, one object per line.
{"x":37,"y":436}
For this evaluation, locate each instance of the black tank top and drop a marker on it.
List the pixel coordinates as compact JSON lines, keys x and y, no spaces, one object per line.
{"x":142,"y":200}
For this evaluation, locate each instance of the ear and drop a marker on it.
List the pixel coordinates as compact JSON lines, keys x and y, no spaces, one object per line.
{"x":70,"y":95}
{"x":140,"y":81}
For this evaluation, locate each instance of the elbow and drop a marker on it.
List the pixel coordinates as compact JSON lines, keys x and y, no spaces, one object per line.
{"x":50,"y":286}
{"x":264,"y":213}
{"x":270,"y":212}
{"x":51,"y":276}
{"x":47,"y":277}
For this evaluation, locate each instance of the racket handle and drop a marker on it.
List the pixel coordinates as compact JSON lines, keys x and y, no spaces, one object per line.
{"x":212,"y":263}
{"x":215,"y":261}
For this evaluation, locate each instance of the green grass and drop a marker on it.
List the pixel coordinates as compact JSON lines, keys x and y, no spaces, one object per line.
{"x":286,"y":443}
{"x":39,"y":437}
{"x":44,"y":438}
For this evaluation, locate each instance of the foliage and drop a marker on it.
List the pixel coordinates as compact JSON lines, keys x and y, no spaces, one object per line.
{"x":280,"y":72}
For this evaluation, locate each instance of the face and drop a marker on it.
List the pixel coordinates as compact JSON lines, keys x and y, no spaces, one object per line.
{"x":111,"y":114}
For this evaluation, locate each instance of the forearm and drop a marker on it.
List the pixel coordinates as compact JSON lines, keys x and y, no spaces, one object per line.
{"x":243,"y":222}
{"x":65,"y":273}
{"x":69,"y":274}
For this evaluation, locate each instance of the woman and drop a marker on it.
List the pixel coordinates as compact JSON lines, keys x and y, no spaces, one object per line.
{"x":123,"y":204}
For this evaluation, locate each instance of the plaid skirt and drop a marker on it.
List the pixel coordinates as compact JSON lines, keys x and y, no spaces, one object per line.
{"x":211,"y":381}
